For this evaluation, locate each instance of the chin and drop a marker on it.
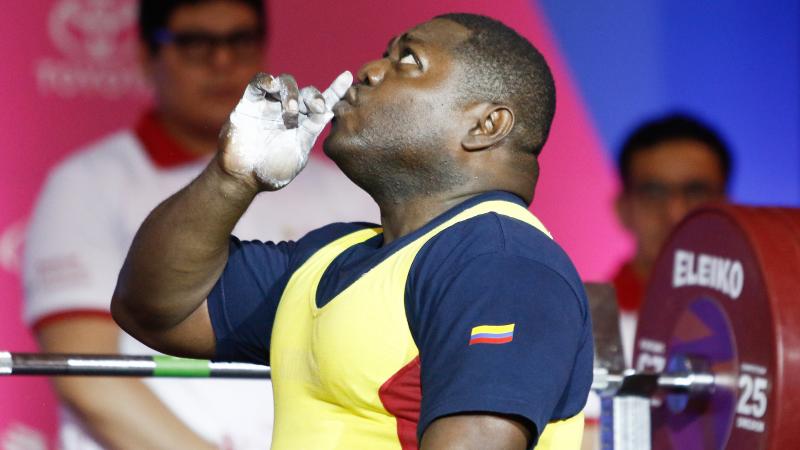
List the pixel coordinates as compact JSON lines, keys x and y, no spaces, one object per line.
{"x":348,"y":157}
{"x":332,"y":146}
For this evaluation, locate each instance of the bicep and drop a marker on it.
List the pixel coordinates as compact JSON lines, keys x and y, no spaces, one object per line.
{"x":478,"y":432}
{"x":192,"y":337}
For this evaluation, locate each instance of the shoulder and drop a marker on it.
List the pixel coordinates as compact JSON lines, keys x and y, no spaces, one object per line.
{"x":107,"y":157}
{"x":496,"y":237}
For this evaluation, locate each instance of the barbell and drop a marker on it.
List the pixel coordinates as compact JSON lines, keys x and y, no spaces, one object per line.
{"x":717,"y":341}
{"x":716,"y":355}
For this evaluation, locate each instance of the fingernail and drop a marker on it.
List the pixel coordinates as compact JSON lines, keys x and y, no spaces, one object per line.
{"x":271,"y":84}
{"x":292,"y":105}
{"x":319,"y":105}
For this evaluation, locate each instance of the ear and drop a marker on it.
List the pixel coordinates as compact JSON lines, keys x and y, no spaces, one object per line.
{"x":493,"y":125}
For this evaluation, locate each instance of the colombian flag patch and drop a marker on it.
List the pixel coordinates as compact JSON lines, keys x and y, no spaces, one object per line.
{"x":492,"y":334}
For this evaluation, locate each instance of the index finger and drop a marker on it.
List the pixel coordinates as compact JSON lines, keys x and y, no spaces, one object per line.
{"x":338,"y":88}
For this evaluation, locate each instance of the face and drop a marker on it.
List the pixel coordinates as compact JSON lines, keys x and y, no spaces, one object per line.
{"x":202,"y":68}
{"x":393,"y":128}
{"x":666,"y":182}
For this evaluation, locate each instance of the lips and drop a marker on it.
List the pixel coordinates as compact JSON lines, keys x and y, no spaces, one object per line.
{"x":351,"y":96}
{"x":348,"y":101}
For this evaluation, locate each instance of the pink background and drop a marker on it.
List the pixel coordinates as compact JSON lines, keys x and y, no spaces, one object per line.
{"x":65,"y":84}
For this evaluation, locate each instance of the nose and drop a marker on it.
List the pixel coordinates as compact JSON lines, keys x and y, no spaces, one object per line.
{"x":677,"y":208}
{"x":222,"y":56}
{"x":372,"y":72}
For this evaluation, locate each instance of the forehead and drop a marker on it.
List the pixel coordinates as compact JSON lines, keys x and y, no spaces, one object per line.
{"x":213,"y":16}
{"x":438,"y":32}
{"x":676,"y":161}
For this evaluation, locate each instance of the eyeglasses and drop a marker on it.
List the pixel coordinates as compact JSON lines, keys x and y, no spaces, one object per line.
{"x":657,"y":194}
{"x":200,"y":46}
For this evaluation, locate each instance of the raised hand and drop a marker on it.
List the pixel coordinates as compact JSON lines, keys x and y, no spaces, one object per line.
{"x":273,"y":128}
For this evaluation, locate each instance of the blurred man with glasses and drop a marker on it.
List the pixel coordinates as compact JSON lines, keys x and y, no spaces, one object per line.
{"x":668,"y":166}
{"x":199,"y":56}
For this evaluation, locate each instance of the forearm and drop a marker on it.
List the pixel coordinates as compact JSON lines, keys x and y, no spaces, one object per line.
{"x":181,"y":249}
{"x":179,"y":252}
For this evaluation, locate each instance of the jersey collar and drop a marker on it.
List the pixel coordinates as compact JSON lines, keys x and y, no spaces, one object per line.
{"x":164,"y":151}
{"x":377,"y":241}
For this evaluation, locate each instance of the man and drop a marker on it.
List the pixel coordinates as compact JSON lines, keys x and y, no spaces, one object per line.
{"x":458,"y":323}
{"x":669,"y":166}
{"x":199,"y":56}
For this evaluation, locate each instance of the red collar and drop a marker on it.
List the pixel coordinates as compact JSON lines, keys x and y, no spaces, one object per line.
{"x":163,"y":150}
{"x":630,"y":288}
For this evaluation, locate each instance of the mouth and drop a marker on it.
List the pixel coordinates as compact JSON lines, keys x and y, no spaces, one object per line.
{"x":348,"y":101}
{"x":351,"y":96}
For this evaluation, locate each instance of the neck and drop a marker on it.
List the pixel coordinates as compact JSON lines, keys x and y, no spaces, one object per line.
{"x":194,"y":140}
{"x":401,"y":217}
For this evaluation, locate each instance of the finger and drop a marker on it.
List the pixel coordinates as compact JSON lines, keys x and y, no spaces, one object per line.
{"x":290,"y":95}
{"x":258,"y":87}
{"x":311,"y":127}
{"x":337,"y":89}
{"x":312,"y":101}
{"x":254,"y":100}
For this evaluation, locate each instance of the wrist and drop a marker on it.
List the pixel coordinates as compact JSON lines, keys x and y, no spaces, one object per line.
{"x":232,"y":185}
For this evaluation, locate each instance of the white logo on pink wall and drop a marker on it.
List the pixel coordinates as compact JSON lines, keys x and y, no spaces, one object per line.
{"x":11,"y":239}
{"x":19,"y":436}
{"x":96,"y":42}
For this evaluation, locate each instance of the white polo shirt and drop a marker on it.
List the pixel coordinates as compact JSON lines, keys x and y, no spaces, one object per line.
{"x":84,"y":222}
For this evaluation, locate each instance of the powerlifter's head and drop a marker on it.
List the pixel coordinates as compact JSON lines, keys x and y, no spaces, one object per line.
{"x":460,"y":104}
{"x":199,"y":55}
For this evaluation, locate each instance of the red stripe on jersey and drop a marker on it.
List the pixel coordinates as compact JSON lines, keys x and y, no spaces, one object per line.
{"x":486,"y":340}
{"x":401,"y":395}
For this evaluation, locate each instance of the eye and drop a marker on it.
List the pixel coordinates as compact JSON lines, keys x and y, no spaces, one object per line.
{"x":409,"y":58}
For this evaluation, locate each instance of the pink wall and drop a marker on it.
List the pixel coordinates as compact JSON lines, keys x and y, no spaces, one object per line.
{"x":66,"y":81}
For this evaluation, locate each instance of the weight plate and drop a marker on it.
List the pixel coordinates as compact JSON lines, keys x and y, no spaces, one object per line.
{"x":723,"y":297}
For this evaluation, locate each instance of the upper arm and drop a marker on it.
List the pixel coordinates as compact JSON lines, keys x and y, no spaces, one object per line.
{"x":234,"y":321}
{"x":478,"y":432}
{"x":501,"y":335}
{"x":193,"y":337}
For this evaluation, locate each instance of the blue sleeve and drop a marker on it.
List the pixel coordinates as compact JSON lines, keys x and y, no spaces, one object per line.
{"x":243,"y":303}
{"x":464,"y":369}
